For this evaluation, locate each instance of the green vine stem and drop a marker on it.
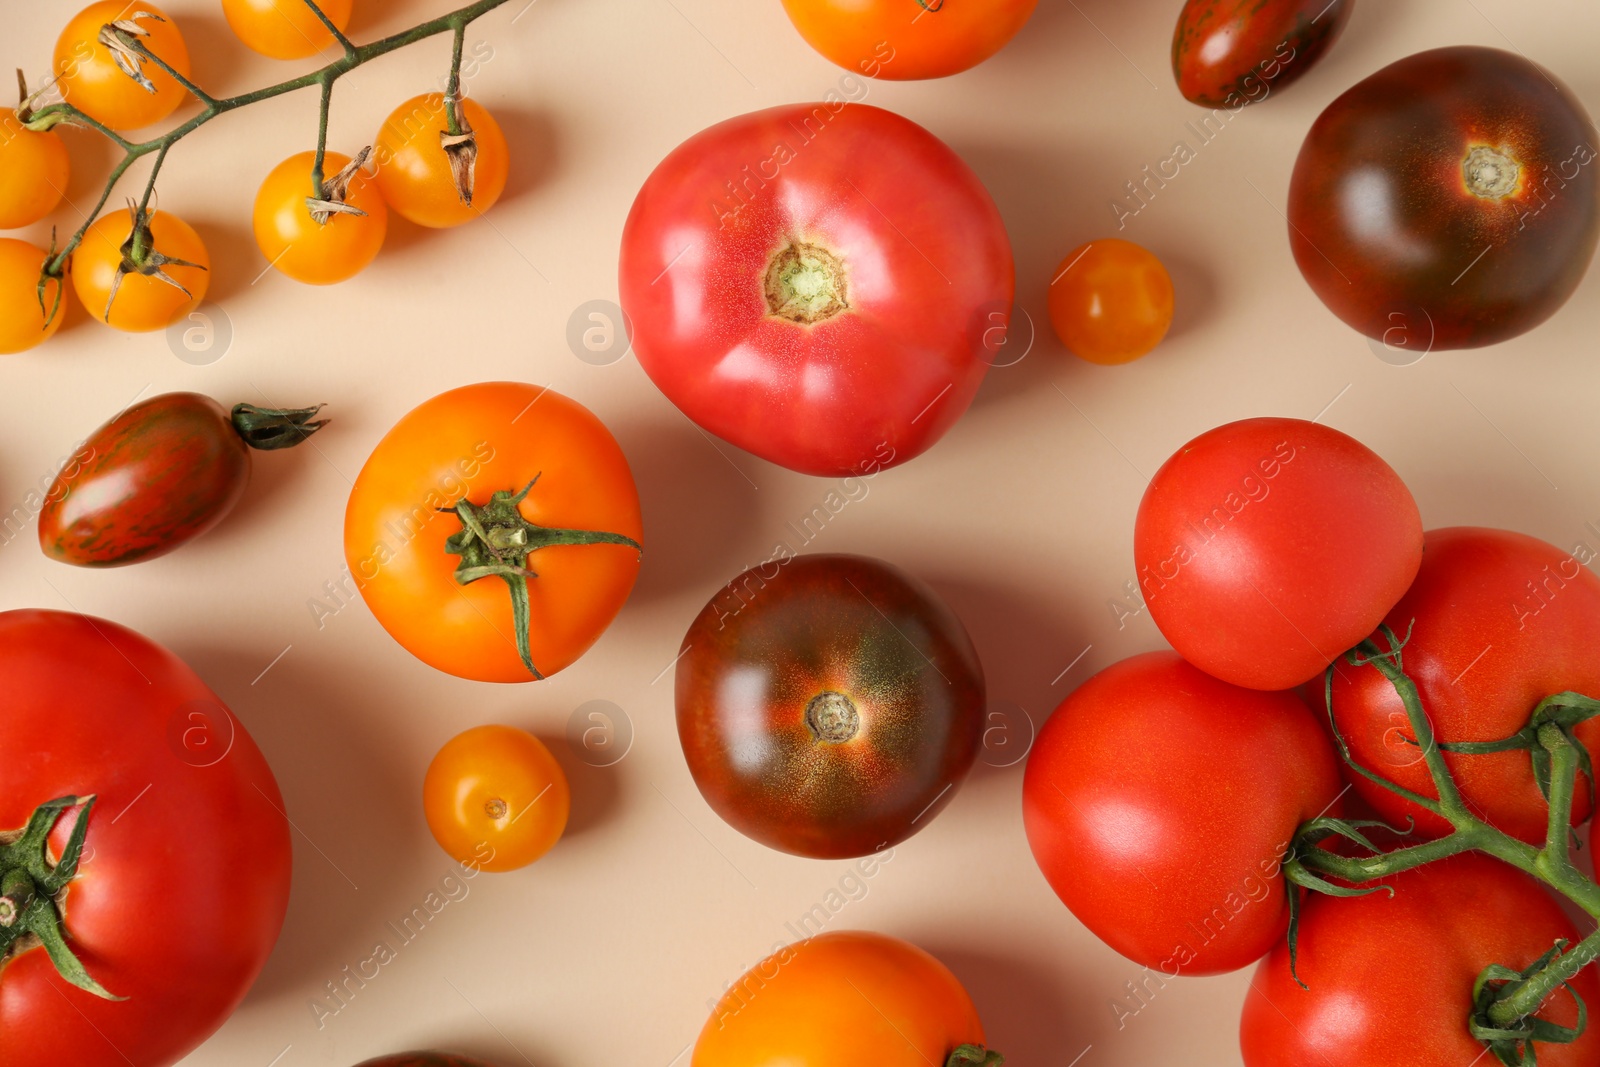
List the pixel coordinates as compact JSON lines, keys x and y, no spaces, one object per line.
{"x":52,"y":115}
{"x":1506,"y":1000}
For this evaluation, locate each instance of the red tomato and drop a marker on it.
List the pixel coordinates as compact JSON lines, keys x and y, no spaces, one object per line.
{"x":184,"y":876}
{"x":1267,"y":547}
{"x":905,"y":39}
{"x":1229,"y":53}
{"x":1391,"y":977}
{"x":1171,"y":848}
{"x":791,"y":295}
{"x":828,"y":705}
{"x":1498,"y":622}
{"x":1448,"y":201}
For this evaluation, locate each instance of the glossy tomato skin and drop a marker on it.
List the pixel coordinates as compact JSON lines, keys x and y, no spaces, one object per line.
{"x":1229,"y":53}
{"x":495,"y":798}
{"x":1384,"y":220}
{"x":34,"y":168}
{"x":312,"y":252}
{"x":1391,"y":977}
{"x":1498,"y":622}
{"x":155,"y":477}
{"x":90,"y":80}
{"x":474,"y":441}
{"x":920,"y":283}
{"x":185,"y":876}
{"x":1160,"y":804}
{"x":140,"y":303}
{"x":23,"y":322}
{"x":1111,"y":301}
{"x":844,"y":997}
{"x":286,"y":29}
{"x":414,"y":172}
{"x":828,"y":705}
{"x":901,"y":40}
{"x":1265,"y":548}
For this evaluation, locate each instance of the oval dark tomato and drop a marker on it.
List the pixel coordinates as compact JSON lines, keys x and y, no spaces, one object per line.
{"x":1229,"y":53}
{"x":183,"y":875}
{"x":1447,"y":201}
{"x":158,"y":475}
{"x":1498,"y":621}
{"x":1265,"y":548}
{"x":821,"y":285}
{"x":1160,"y":803}
{"x":845,"y":998}
{"x":1390,"y":978}
{"x":422,"y":1059}
{"x":908,"y":39}
{"x":828,"y":705}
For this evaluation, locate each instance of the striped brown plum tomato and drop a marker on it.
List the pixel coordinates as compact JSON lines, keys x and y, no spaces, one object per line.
{"x":1229,"y":53}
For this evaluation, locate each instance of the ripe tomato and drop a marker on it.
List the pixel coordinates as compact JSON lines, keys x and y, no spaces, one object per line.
{"x":90,"y":80}
{"x":1390,"y":978}
{"x":417,"y":176}
{"x":140,"y":302}
{"x":23,"y":323}
{"x":905,"y":39}
{"x":422,"y":1059}
{"x":496,"y":798}
{"x":1111,"y":301}
{"x":1498,"y":622}
{"x":1448,"y":201}
{"x":828,"y":705}
{"x":157,"y":476}
{"x":285,"y":29}
{"x":318,"y":253}
{"x":844,"y":998}
{"x":1160,"y":804}
{"x":577,"y":529}
{"x":34,"y":168}
{"x":789,"y":296}
{"x":1267,"y":547}
{"x":183,"y":878}
{"x":1229,"y":53}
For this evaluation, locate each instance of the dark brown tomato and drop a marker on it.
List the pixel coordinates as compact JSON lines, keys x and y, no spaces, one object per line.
{"x":1229,"y":53}
{"x":156,"y":476}
{"x":1447,"y":201}
{"x":828,"y":705}
{"x":422,"y":1059}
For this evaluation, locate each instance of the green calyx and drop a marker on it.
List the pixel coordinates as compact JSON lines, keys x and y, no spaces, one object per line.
{"x":1512,"y":1040}
{"x":496,"y":541}
{"x":32,"y":890}
{"x":968,"y":1055}
{"x":269,"y":429}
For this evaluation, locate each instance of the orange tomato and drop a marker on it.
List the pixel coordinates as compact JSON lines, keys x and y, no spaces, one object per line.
{"x":91,"y":81}
{"x":471,"y":444}
{"x":33,"y":172}
{"x":907,"y":39}
{"x":317,"y":253}
{"x":285,"y":29}
{"x":841,"y":999}
{"x":1111,"y":301}
{"x":23,"y":323}
{"x":414,"y":171}
{"x":142,"y":302}
{"x":496,"y":798}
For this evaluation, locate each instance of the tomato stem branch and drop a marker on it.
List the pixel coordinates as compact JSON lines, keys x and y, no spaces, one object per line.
{"x":338,"y":34}
{"x":452,"y":90}
{"x":325,"y":107}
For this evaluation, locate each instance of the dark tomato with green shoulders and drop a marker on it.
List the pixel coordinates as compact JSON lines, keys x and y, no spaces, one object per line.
{"x":828,"y":705}
{"x":1229,"y":53}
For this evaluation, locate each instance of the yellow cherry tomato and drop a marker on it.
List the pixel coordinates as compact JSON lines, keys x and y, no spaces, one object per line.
{"x":496,"y":798}
{"x":318,"y":253}
{"x":33,"y":173}
{"x":285,"y":29}
{"x":414,"y":172}
{"x":91,"y":81}
{"x":143,"y":302}
{"x":23,"y":323}
{"x":1111,"y":301}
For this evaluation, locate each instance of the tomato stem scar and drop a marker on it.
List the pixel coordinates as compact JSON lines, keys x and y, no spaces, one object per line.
{"x":1489,"y":174}
{"x":833,"y":717}
{"x":806,"y":283}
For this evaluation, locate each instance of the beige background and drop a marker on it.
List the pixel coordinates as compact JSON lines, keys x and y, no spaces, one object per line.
{"x":607,"y":951}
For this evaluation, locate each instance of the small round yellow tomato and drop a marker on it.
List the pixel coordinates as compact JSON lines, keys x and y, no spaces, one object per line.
{"x":91,"y":81}
{"x":1111,"y":301}
{"x":143,"y":302}
{"x":33,"y":172}
{"x":285,"y":29}
{"x":414,"y":172}
{"x":496,"y":798}
{"x":318,"y":253}
{"x":23,"y":323}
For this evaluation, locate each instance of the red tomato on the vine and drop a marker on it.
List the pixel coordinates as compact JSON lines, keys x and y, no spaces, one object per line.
{"x":906,"y":39}
{"x":1160,"y":803}
{"x":818,"y":284}
{"x":1265,"y":548}
{"x":184,"y":873}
